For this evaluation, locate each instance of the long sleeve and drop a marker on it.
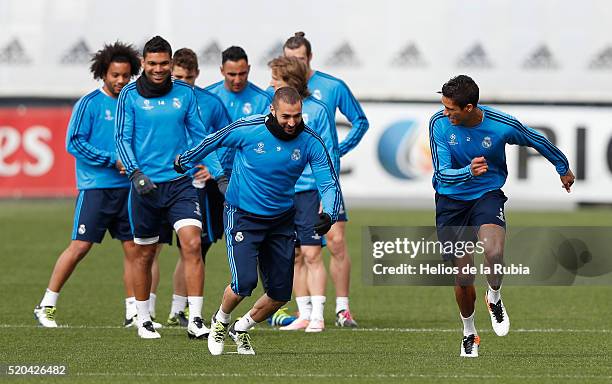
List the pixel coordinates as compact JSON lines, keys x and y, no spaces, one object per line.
{"x":124,"y":133}
{"x":523,"y":135}
{"x":77,"y":138}
{"x":227,"y":137}
{"x":349,"y":107}
{"x":325,"y":177}
{"x":441,"y":157}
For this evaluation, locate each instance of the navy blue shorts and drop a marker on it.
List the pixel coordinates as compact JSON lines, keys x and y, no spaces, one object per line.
{"x":173,"y":203}
{"x":260,"y":242}
{"x":459,"y":220}
{"x":212,"y":202}
{"x":306,"y":217}
{"x":98,"y":210}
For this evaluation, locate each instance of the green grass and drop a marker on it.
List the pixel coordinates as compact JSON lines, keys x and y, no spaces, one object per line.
{"x":407,"y":334}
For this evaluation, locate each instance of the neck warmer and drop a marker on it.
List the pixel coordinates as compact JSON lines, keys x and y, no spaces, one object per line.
{"x":150,"y":90}
{"x":278,"y":131}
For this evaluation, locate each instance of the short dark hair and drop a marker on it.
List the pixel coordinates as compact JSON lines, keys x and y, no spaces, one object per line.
{"x":296,"y":41}
{"x":156,"y":45}
{"x":288,"y":95}
{"x":118,"y":53}
{"x":186,"y":58}
{"x":462,"y":90}
{"x":233,"y":53}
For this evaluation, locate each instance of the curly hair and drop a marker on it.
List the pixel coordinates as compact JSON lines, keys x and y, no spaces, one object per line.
{"x":118,"y":53}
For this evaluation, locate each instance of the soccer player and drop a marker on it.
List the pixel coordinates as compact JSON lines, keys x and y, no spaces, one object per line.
{"x":272,"y":152}
{"x":240,"y":97}
{"x":468,"y":143}
{"x":214,"y":116}
{"x":157,"y":117}
{"x":103,"y":188}
{"x":335,"y":94}
{"x":310,"y":277}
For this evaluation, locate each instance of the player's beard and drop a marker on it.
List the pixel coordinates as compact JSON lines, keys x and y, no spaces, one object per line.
{"x":279,"y":132}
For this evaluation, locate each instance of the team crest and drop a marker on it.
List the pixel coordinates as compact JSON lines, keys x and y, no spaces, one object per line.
{"x":147,"y":105}
{"x":176,"y":103}
{"x":247,"y":108}
{"x":296,"y":155}
{"x":486,"y":142}
{"x":82,"y":229}
{"x":108,"y":116}
{"x":239,"y":237}
{"x":260,"y":148}
{"x":305,"y":118}
{"x":317,"y":94}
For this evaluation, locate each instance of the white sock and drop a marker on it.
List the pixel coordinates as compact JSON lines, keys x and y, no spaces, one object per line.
{"x":49,"y":299}
{"x":178,"y":304}
{"x":468,"y":325}
{"x":195,"y":306}
{"x":493,"y":295}
{"x":318,"y":303}
{"x":304,"y":307}
{"x":130,"y":307}
{"x":142,"y":307}
{"x":152,"y":301}
{"x":341,"y":304}
{"x":222,"y":316}
{"x":245,"y":323}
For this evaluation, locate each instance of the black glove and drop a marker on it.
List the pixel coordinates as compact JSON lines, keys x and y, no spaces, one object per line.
{"x":324,"y":224}
{"x":142,"y":184}
{"x":222,"y":183}
{"x":177,"y":165}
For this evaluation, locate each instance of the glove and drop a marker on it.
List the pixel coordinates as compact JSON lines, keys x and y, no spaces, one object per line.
{"x":324,"y":224}
{"x":177,"y":165}
{"x":142,"y":184}
{"x":222,"y":183}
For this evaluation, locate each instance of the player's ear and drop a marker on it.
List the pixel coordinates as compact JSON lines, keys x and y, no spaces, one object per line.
{"x":272,"y":111}
{"x":469,"y":107}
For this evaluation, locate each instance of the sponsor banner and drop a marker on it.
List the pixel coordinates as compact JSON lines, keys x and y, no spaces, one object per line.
{"x":393,"y":161}
{"x":33,"y":159}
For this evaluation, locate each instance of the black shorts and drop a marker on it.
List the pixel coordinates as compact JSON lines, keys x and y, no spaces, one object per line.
{"x":459,"y":220}
{"x":172,"y":204}
{"x":260,"y":242}
{"x":98,"y":210}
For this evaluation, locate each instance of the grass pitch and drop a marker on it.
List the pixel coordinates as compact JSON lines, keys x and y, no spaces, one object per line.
{"x":406,"y":334}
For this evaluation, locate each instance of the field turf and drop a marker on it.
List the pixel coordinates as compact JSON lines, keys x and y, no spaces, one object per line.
{"x":406,"y":334}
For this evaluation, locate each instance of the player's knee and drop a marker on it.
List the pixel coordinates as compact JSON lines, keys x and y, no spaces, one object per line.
{"x":191,"y":245}
{"x":312,"y":258}
{"x":78,"y":249}
{"x":336,"y":242}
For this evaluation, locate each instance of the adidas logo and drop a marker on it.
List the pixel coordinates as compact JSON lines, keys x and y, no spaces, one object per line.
{"x":475,"y":57}
{"x":343,"y":56}
{"x":211,"y":54}
{"x":13,"y":53}
{"x":603,"y":60}
{"x":409,"y":56}
{"x":541,"y":58}
{"x":79,"y":53}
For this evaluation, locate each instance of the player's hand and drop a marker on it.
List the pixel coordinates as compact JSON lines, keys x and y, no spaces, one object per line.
{"x":202,"y":175}
{"x":324,"y":224}
{"x":120,"y":167}
{"x":177,"y":166}
{"x":222,"y":183}
{"x":568,"y":180}
{"x":142,"y":184}
{"x":479,"y":166}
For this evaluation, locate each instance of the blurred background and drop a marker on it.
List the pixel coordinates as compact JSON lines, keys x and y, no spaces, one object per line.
{"x":547,"y":62}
